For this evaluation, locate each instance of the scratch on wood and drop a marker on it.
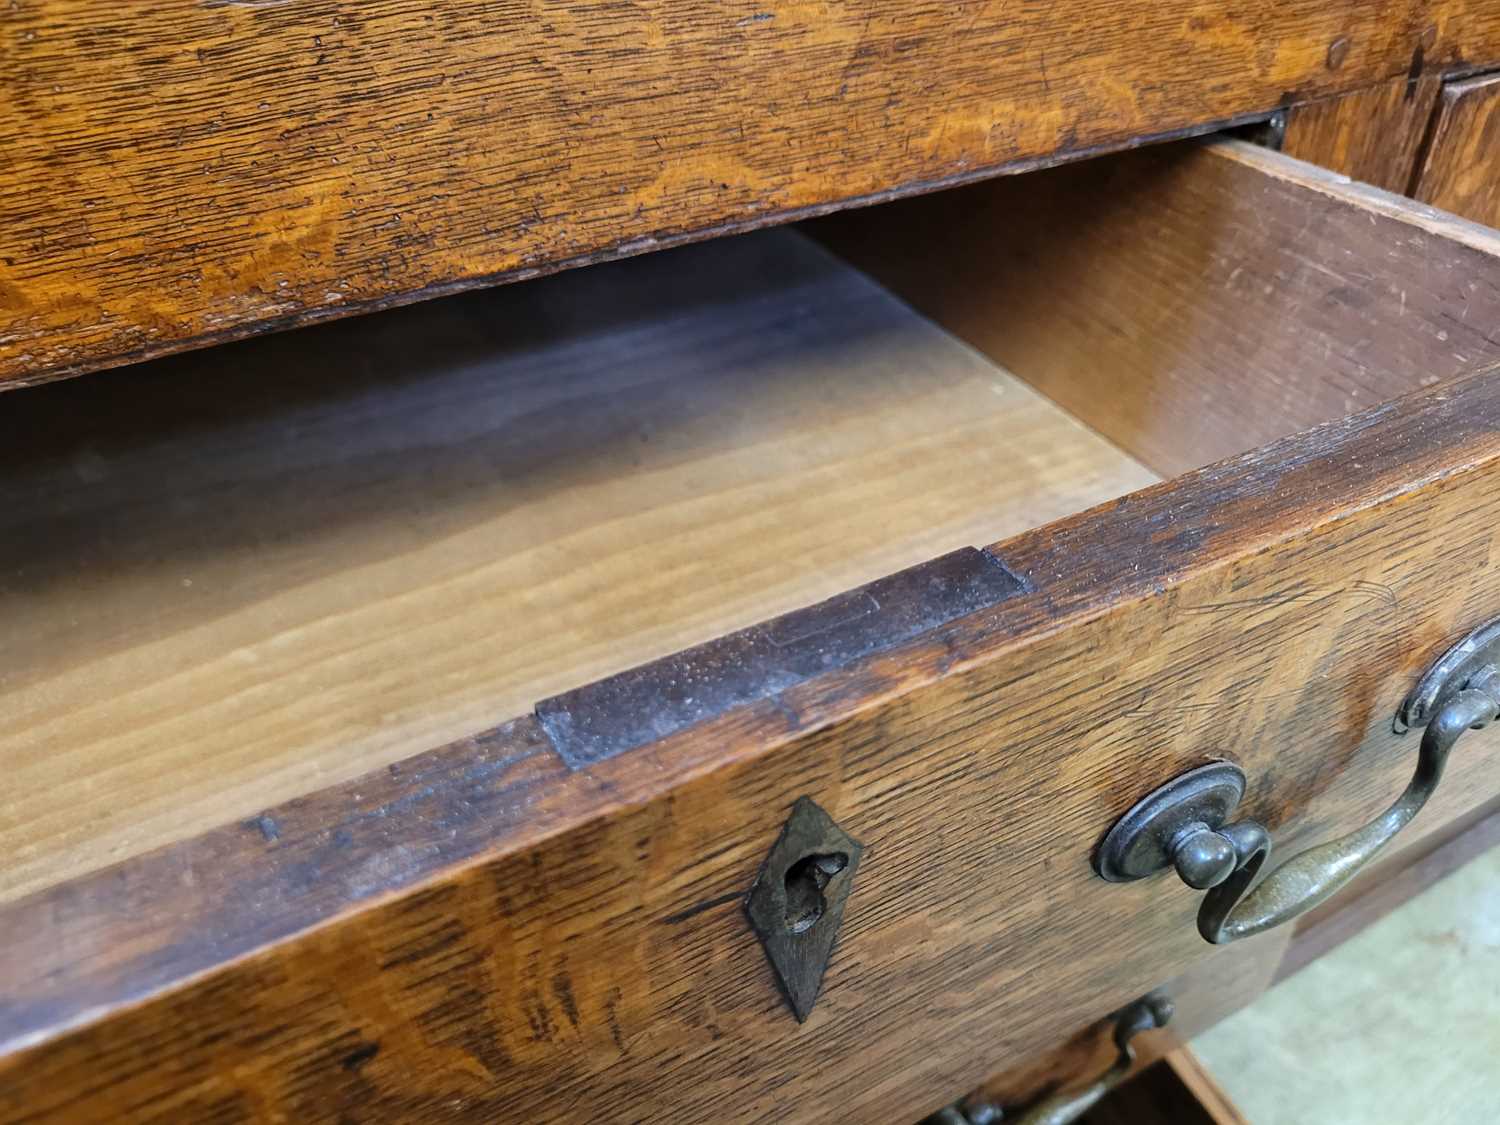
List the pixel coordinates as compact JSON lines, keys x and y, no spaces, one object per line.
{"x":698,"y":908}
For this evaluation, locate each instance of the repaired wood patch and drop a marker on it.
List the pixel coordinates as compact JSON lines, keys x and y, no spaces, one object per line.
{"x":641,"y":705}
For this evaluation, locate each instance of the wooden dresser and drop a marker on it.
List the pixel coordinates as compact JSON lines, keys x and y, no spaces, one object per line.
{"x":755,"y":678}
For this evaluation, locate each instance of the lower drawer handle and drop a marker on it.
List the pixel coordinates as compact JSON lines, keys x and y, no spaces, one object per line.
{"x":1183,"y":823}
{"x":1146,"y":1014}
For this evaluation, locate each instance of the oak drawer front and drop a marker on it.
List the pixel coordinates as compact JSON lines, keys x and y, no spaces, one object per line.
{"x":505,"y":928}
{"x":595,"y":956}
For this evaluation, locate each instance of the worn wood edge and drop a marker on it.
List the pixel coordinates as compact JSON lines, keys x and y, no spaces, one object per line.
{"x":1380,"y":466}
{"x":1389,"y":472}
{"x":1465,"y":80}
{"x":1413,"y":188}
{"x":1388,"y":886}
{"x":1336,"y":185}
{"x":625,"y":248}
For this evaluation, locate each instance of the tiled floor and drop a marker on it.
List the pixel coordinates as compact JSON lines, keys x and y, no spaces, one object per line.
{"x":1400,"y":1024}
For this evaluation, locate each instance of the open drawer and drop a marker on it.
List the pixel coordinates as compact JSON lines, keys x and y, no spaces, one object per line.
{"x":395,"y":714}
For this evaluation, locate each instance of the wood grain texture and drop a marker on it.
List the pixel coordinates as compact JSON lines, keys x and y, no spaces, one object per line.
{"x":279,"y":565}
{"x":1191,"y":302}
{"x":1374,"y":135}
{"x":570,"y":945}
{"x":1461,"y":172}
{"x":204,"y":169}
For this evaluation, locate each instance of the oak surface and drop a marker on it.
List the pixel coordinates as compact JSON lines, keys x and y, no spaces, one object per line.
{"x":1374,"y":135}
{"x":481,"y":934}
{"x":201,"y":169}
{"x":238,"y":576}
{"x":1193,"y":301}
{"x":1462,"y":170}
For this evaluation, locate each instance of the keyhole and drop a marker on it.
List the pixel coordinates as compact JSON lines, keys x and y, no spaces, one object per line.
{"x":805,"y":881}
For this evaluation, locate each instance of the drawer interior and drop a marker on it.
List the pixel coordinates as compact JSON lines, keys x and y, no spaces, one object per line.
{"x":233,"y":577}
{"x":241,"y":574}
{"x":1192,"y":302}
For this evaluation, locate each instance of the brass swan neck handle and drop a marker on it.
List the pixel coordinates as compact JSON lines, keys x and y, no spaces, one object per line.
{"x":1183,"y":824}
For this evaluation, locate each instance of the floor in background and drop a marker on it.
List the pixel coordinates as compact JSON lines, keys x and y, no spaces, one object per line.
{"x":1400,"y":1024}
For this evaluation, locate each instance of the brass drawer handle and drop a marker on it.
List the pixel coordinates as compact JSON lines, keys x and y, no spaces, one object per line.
{"x":1183,"y":823}
{"x":1149,"y":1012}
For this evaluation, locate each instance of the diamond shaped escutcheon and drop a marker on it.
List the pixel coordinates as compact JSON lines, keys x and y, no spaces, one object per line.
{"x":797,"y":902}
